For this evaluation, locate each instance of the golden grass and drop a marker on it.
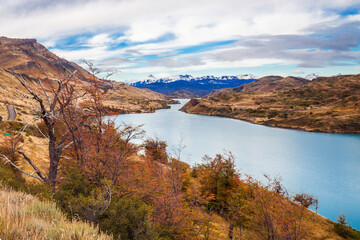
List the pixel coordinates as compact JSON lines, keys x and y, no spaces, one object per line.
{"x":23,"y":216}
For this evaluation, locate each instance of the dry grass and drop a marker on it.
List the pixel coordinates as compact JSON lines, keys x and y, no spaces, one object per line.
{"x":23,"y":216}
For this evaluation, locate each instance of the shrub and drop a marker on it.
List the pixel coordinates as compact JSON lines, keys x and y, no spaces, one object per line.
{"x":306,"y":200}
{"x":10,"y":178}
{"x":343,"y":228}
{"x":155,"y":150}
{"x":346,"y":231}
{"x":78,"y":197}
{"x":218,"y":178}
{"x":272,"y":114}
{"x":128,"y":218}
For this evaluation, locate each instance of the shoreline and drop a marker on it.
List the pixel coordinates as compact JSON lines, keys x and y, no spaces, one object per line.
{"x":271,"y":126}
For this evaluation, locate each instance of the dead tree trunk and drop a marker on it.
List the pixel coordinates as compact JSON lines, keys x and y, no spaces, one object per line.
{"x":58,"y":98}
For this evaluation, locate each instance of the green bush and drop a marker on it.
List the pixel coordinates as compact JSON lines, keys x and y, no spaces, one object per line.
{"x":123,"y":217}
{"x":346,"y":231}
{"x":10,"y":177}
{"x":128,"y":218}
{"x":72,"y":191}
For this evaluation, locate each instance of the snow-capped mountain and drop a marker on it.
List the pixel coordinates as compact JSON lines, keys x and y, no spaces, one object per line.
{"x":311,"y":76}
{"x":336,"y":75}
{"x":151,"y":79}
{"x":246,"y":76}
{"x":196,"y":85}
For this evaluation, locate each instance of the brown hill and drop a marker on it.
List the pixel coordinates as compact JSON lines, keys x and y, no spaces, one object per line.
{"x":327,"y":104}
{"x":25,"y":56}
{"x":265,"y":84}
{"x":183,"y":94}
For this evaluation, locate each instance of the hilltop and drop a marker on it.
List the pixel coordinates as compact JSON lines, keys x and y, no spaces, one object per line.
{"x":326,"y":104}
{"x":34,"y":61}
{"x":199,"y":86}
{"x":265,"y":84}
{"x":182,"y":94}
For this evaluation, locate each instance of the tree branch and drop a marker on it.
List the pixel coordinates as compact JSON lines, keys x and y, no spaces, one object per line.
{"x":67,"y":146}
{"x":63,"y":138}
{"x":45,"y":92}
{"x":42,"y":132}
{"x":23,"y":82}
{"x":18,"y":168}
{"x":37,"y":170}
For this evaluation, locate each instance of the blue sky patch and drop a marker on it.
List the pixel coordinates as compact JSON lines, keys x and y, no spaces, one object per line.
{"x":205,"y":47}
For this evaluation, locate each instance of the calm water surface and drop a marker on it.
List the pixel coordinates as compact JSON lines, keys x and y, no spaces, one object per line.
{"x":325,"y":165}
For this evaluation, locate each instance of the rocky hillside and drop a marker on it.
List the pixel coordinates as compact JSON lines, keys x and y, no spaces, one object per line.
{"x":34,"y":61}
{"x":182,"y":94}
{"x":326,"y":104}
{"x":265,"y":84}
{"x":25,"y":55}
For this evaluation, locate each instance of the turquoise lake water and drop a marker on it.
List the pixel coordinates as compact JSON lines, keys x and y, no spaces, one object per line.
{"x":325,"y":165}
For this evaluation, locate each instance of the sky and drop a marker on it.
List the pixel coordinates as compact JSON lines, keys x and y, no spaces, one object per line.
{"x":135,"y":38}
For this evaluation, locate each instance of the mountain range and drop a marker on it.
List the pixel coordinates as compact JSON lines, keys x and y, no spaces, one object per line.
{"x":199,"y":86}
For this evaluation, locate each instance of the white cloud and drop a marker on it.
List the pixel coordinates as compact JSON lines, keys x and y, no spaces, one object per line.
{"x":163,"y":75}
{"x":279,"y":73}
{"x":146,"y":30}
{"x":352,"y":18}
{"x":210,"y":64}
{"x":298,"y":72}
{"x":99,"y":40}
{"x":190,"y":23}
{"x":96,"y":53}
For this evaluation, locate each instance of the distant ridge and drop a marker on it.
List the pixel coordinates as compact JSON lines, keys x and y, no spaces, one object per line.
{"x":264,"y":84}
{"x":196,"y":85}
{"x":182,"y":94}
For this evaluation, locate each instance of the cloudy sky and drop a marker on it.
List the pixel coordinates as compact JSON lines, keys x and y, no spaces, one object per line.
{"x":136,"y":38}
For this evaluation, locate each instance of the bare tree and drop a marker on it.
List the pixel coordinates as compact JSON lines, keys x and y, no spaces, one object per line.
{"x":55,"y":96}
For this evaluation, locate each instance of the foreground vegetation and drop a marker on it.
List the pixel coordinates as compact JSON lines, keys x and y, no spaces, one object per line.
{"x":23,"y":216}
{"x":323,"y":105}
{"x":152,"y":196}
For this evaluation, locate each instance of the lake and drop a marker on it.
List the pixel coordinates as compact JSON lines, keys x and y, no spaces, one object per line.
{"x":322,"y":164}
